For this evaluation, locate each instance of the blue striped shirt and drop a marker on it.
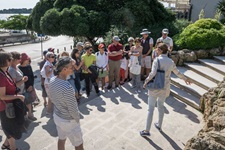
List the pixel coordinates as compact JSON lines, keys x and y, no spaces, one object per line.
{"x":63,"y":97}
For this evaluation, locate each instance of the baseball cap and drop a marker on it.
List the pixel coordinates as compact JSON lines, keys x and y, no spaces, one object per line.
{"x":165,"y":31}
{"x":80,"y":44}
{"x":116,"y":38}
{"x":51,"y":49}
{"x":101,"y":46}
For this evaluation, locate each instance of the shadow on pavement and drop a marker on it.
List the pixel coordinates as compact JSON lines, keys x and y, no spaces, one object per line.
{"x":180,"y":107}
{"x":171,"y":141}
{"x":50,"y":127}
{"x":152,"y":143}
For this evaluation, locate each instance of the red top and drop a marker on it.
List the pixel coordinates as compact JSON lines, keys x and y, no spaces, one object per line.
{"x":112,"y":48}
{"x":9,"y":87}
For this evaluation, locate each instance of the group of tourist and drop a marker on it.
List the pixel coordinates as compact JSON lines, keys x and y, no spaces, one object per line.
{"x":62,"y":76}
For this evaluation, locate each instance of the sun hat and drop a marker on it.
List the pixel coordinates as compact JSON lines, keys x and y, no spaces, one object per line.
{"x":79,"y":44}
{"x":145,"y":31}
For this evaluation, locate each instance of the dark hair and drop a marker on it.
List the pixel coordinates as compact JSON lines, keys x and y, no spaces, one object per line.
{"x":137,"y":40}
{"x":2,"y":50}
{"x":163,"y":47}
{"x":72,"y":55}
{"x":15,"y":55}
{"x":87,"y":46}
{"x":62,"y":63}
{"x":4,"y":56}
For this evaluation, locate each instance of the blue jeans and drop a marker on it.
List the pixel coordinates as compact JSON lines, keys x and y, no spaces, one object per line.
{"x":151,"y":106}
{"x":77,"y":82}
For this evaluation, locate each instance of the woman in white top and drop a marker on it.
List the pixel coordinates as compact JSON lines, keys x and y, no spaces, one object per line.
{"x":48,"y":72}
{"x":160,"y":96}
{"x":135,"y":53}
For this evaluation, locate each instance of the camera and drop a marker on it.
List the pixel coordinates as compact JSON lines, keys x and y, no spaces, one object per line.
{"x":17,"y":90}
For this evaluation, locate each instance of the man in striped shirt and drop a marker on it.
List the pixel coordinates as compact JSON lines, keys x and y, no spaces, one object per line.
{"x":66,"y":113}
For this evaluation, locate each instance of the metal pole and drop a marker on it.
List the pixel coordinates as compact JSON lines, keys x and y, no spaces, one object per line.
{"x":41,"y":48}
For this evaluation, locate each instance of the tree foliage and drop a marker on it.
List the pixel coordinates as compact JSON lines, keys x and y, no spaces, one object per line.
{"x":93,"y":18}
{"x":203,"y":34}
{"x":15,"y":22}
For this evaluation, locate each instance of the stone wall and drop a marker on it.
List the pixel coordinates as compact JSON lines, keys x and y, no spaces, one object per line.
{"x":185,"y":55}
{"x":14,"y":39}
{"x":212,"y":136}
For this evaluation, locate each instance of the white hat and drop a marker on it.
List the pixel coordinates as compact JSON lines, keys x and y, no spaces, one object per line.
{"x":165,"y":31}
{"x":116,"y":38}
{"x":79,"y":44}
{"x":145,"y":31}
{"x":130,"y":39}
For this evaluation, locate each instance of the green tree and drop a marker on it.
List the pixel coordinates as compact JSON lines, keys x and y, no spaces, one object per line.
{"x":15,"y":22}
{"x":93,"y":18}
{"x":221,"y":8}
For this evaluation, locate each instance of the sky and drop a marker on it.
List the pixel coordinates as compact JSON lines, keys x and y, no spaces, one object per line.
{"x":6,"y":4}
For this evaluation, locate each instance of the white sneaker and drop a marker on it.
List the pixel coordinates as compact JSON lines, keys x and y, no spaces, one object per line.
{"x":139,"y":91}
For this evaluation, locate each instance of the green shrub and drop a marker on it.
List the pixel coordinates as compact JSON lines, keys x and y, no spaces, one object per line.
{"x":203,"y":34}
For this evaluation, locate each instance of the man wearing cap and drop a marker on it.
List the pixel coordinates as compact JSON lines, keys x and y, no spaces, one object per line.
{"x":147,"y":44}
{"x":52,"y":50}
{"x":115,"y":51}
{"x":166,"y":39}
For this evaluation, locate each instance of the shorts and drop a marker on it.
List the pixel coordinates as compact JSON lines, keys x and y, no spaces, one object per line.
{"x":146,"y":62}
{"x":102,"y":74}
{"x":70,"y":129}
{"x":44,"y":94}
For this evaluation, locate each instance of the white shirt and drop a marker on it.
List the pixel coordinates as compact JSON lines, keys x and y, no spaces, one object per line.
{"x":123,"y":64}
{"x":43,"y":73}
{"x":102,"y":59}
{"x":168,"y":41}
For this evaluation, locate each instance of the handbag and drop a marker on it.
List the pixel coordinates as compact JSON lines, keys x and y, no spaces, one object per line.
{"x":135,"y":68}
{"x":158,"y":81}
{"x":30,"y":97}
{"x":9,"y":110}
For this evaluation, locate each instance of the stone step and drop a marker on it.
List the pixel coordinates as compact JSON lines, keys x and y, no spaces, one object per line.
{"x":213,"y":64}
{"x":185,"y":97}
{"x":197,"y":78}
{"x":220,"y":58}
{"x":193,"y":88}
{"x":205,"y":71}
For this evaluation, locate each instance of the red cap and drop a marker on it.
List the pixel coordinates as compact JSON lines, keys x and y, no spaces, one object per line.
{"x":51,"y":49}
{"x":101,"y":46}
{"x":24,"y":57}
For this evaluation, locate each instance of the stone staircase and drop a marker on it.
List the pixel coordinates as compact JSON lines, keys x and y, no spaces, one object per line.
{"x":204,"y":74}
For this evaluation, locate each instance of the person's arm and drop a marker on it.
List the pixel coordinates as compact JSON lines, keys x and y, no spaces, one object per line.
{"x":5,"y":97}
{"x":171,"y":45}
{"x":151,"y":45}
{"x":180,"y":75}
{"x":71,"y":103}
{"x":48,"y":71}
{"x":152,"y":73}
{"x":106,"y":61}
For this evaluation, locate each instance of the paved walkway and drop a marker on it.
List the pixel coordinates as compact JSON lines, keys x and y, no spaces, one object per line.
{"x":113,"y":121}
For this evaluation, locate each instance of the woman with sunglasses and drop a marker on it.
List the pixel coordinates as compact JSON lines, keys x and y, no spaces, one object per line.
{"x":10,"y":126}
{"x":48,"y":72}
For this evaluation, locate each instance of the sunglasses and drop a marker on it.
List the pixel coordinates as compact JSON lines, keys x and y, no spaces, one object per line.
{"x":52,"y":57}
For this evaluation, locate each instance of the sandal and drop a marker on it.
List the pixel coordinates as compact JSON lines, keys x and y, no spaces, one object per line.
{"x":7,"y":147}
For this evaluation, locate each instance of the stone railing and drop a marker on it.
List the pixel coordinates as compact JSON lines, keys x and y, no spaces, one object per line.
{"x":212,"y":136}
{"x":14,"y":39}
{"x":185,"y":55}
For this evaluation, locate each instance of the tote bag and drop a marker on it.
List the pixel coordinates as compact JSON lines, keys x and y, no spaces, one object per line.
{"x":158,"y":81}
{"x":135,"y":68}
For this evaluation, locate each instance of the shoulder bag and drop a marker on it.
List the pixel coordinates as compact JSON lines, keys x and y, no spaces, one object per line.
{"x":158,"y":81}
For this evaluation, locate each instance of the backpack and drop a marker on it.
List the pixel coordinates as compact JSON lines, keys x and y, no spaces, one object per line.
{"x":98,"y":53}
